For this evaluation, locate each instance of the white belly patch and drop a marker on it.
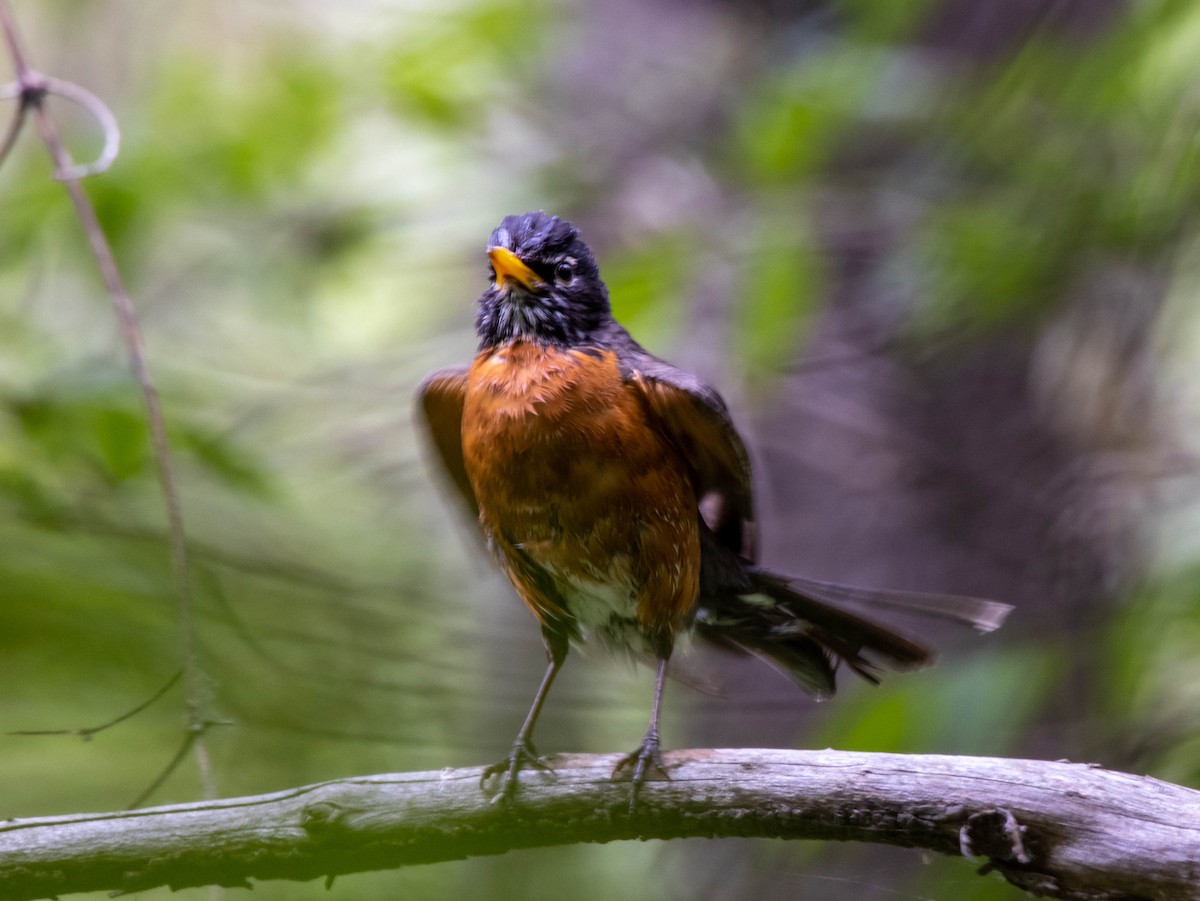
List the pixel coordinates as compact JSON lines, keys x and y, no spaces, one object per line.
{"x":605,"y":610}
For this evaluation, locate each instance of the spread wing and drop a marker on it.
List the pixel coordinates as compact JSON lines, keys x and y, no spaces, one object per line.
{"x":441,"y":397}
{"x":696,"y":420}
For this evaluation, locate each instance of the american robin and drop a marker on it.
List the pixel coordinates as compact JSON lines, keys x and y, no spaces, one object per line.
{"x":615,"y":493}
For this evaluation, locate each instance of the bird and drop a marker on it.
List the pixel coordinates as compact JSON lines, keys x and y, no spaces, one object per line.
{"x":614,"y":491}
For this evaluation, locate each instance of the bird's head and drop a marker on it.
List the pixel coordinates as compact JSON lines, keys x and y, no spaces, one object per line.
{"x":545,"y":285}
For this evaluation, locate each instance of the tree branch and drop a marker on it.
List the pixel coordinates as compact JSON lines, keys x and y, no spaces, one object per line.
{"x":1060,"y":830}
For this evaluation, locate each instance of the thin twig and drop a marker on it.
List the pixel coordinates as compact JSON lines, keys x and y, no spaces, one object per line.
{"x":32,"y":98}
{"x":86,"y":734}
{"x":31,"y":89}
{"x":173,"y":764}
{"x":14,"y":126}
{"x":15,"y":48}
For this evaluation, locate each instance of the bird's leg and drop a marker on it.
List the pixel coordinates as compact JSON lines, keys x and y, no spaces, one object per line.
{"x":523,"y":753}
{"x":647,"y":756}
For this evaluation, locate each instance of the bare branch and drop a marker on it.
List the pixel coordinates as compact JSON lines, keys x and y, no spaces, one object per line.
{"x":1058,"y":830}
{"x":33,"y":89}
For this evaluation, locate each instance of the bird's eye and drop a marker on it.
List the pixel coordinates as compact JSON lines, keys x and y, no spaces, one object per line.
{"x":563,"y":273}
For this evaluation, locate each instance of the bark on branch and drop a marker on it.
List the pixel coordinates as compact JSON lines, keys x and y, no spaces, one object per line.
{"x":1060,"y":830}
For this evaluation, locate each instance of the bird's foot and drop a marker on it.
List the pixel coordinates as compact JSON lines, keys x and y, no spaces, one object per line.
{"x":523,"y":754}
{"x":646,"y":758}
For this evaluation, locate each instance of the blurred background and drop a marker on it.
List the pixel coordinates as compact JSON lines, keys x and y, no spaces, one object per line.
{"x":939,"y":255}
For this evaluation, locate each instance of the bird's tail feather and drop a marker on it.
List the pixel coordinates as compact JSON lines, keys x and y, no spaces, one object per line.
{"x":806,"y":627}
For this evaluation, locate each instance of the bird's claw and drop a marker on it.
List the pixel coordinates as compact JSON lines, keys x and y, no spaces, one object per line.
{"x":523,"y":754}
{"x":646,"y":758}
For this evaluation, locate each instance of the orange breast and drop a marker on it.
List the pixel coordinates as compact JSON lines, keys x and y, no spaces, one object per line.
{"x":589,"y":509}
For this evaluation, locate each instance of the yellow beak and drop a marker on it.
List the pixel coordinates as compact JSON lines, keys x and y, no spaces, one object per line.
{"x":509,"y":266}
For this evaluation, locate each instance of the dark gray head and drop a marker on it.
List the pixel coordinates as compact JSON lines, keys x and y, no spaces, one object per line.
{"x":545,"y":285}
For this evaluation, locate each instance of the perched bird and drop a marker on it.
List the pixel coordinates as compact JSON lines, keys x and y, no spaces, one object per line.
{"x":615,"y":493}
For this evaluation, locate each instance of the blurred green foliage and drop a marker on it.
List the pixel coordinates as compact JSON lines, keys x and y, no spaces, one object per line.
{"x":454,"y":73}
{"x":782,"y":283}
{"x":794,"y":121}
{"x":1069,"y":150}
{"x":300,"y":207}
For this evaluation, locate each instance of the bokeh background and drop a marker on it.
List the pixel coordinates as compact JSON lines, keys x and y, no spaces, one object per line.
{"x":940,"y":256}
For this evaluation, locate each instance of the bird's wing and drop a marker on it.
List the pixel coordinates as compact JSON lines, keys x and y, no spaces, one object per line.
{"x":695,"y":419}
{"x":441,"y":398}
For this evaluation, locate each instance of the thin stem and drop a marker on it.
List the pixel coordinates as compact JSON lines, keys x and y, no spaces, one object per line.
{"x":131,"y":334}
{"x":32,"y":88}
{"x":189,"y":741}
{"x":15,"y":49}
{"x":87,"y":733}
{"x":14,"y":126}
